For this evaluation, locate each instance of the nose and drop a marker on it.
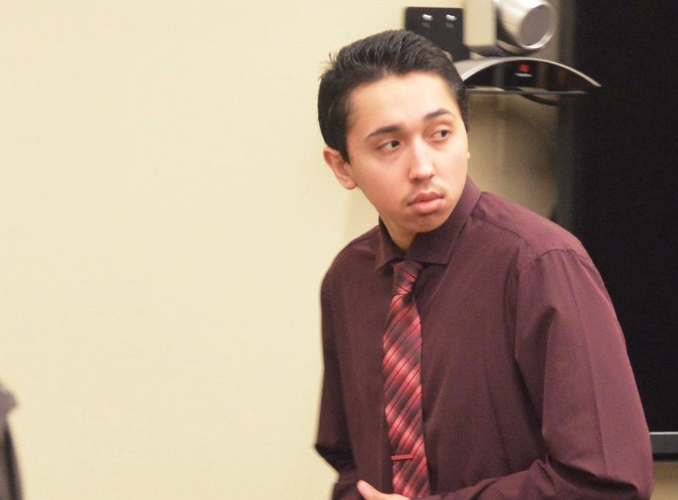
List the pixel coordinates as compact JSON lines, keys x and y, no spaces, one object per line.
{"x":421,"y":166}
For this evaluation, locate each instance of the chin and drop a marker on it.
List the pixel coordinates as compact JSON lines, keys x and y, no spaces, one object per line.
{"x":431,"y":223}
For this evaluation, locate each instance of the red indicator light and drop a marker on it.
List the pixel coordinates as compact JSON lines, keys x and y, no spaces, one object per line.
{"x":524,"y":68}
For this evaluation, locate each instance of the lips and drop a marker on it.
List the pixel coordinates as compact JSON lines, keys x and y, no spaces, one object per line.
{"x":426,"y":203}
{"x":424,"y":197}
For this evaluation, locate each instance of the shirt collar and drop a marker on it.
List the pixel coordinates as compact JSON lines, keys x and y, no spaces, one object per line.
{"x":433,"y":247}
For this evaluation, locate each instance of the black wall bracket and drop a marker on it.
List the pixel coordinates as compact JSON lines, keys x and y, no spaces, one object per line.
{"x":442,"y":26}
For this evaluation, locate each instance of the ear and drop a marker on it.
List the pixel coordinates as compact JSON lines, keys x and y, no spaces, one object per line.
{"x":341,"y":168}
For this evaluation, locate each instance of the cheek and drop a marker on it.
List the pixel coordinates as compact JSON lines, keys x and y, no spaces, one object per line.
{"x":382,"y":189}
{"x":456,"y":162}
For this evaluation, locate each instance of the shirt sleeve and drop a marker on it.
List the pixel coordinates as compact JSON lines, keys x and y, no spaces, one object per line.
{"x":572,"y":356}
{"x":332,"y":442}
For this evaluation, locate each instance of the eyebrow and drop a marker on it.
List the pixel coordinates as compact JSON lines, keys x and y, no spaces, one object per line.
{"x":389,"y":129}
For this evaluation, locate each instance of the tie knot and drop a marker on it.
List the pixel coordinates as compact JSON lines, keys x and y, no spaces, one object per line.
{"x":405,"y":274}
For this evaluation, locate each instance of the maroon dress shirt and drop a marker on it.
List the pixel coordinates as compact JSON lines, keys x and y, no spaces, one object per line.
{"x":527,"y":388}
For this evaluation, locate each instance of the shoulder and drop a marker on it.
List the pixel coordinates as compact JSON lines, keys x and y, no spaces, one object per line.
{"x":355,"y":259}
{"x":517,"y":224}
{"x":508,"y":225}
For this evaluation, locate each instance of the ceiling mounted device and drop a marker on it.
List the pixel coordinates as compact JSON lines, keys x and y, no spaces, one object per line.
{"x":490,"y":40}
{"x":508,"y":27}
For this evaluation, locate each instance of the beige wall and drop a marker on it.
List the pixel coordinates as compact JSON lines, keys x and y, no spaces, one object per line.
{"x":166,"y":219}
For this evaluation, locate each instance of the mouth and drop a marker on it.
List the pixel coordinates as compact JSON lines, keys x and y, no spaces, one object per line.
{"x":426,"y":203}
{"x":425,"y":197}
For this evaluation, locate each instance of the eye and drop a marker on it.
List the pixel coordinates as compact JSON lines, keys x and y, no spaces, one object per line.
{"x":441,"y":134}
{"x":389,"y":146}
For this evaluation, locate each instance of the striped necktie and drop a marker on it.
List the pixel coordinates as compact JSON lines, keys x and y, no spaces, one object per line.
{"x":402,"y":387}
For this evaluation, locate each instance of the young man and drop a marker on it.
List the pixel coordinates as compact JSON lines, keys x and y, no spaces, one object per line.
{"x":512,"y":379}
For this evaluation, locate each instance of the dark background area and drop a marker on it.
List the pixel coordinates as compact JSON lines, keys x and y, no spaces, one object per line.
{"x":623,"y":178}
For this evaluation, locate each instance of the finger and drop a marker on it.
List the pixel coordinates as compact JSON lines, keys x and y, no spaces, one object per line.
{"x":368,"y":492}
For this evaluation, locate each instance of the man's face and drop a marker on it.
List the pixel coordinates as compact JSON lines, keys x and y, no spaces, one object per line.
{"x":408,"y":152}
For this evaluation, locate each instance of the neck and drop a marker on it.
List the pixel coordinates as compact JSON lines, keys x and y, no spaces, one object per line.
{"x":402,"y":241}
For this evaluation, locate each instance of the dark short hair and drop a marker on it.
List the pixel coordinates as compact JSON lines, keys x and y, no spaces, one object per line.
{"x":396,"y":52}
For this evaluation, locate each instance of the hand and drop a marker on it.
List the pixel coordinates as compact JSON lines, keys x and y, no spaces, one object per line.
{"x":369,"y":493}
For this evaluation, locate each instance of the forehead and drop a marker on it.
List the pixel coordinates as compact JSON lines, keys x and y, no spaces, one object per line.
{"x":398,"y":99}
